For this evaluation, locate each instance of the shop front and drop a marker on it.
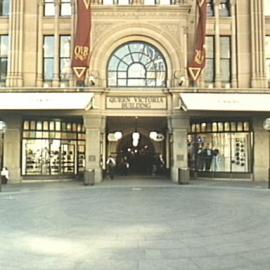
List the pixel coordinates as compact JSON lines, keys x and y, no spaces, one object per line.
{"x":53,"y":147}
{"x":45,"y":134}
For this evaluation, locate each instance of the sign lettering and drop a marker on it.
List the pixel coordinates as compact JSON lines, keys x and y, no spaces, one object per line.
{"x":137,"y":103}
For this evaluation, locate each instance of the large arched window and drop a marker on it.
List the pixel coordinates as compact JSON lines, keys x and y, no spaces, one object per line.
{"x":137,"y":64}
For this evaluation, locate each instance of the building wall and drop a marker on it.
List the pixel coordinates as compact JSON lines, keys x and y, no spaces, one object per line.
{"x":171,"y":30}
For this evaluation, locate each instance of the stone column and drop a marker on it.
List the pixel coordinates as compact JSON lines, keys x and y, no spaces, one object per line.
{"x":261,"y":151}
{"x":55,"y":82}
{"x":178,"y":126}
{"x":12,"y":147}
{"x":95,"y":128}
{"x":39,"y":80}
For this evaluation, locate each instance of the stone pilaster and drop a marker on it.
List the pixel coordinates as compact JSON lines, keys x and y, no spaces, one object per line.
{"x":55,"y":82}
{"x":261,"y":151}
{"x":178,"y":126}
{"x":14,"y":74}
{"x":39,"y":80}
{"x":233,"y":45}
{"x":217,"y":45}
{"x":95,"y":128}
{"x":258,"y":74}
{"x":12,"y":147}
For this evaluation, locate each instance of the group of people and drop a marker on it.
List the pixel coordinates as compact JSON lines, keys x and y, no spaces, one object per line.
{"x":124,"y":165}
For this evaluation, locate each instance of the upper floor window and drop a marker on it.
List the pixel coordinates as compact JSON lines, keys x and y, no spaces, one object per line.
{"x":209,"y":71}
{"x":224,"y":8}
{"x":210,"y":8}
{"x":4,"y":40}
{"x":49,"y":8}
{"x":146,"y":2}
{"x":4,"y":7}
{"x":48,"y":58}
{"x":117,"y":2}
{"x":266,"y":7}
{"x":137,"y":64}
{"x":267,"y":56}
{"x":64,"y":58}
{"x":65,"y":8}
{"x":225,"y":58}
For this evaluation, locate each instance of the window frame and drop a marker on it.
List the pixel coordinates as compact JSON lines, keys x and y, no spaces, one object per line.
{"x":47,"y":59}
{"x":4,"y":57}
{"x":121,"y":60}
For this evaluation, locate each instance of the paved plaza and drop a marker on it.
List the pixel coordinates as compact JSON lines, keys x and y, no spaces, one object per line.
{"x":135,"y":225}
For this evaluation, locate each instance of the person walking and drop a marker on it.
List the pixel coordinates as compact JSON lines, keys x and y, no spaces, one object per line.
{"x":110,"y":166}
{"x":4,"y":175}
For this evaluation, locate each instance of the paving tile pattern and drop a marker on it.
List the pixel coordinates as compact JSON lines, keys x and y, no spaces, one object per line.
{"x":134,"y":227}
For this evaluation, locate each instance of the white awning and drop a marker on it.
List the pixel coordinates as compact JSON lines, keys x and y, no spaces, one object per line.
{"x":45,"y":101}
{"x":225,"y":102}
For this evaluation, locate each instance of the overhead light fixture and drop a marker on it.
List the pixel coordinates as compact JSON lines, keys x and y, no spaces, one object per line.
{"x":155,"y":136}
{"x":135,"y":138}
{"x":114,"y":137}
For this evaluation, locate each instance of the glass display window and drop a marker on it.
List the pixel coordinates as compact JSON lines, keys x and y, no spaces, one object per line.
{"x":227,"y":148}
{"x":49,"y":149}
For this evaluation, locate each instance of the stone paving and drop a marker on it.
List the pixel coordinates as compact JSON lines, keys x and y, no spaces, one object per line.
{"x":135,"y":225}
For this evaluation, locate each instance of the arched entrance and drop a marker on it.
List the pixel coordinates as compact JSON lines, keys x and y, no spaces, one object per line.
{"x":140,"y":158}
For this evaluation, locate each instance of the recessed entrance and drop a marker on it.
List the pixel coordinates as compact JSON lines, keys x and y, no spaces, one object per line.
{"x":140,"y":158}
{"x":143,"y":157}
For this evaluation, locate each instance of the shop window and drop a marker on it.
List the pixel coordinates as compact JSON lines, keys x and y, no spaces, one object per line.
{"x":214,"y":127}
{"x":137,"y":64}
{"x":49,"y":8}
{"x":222,"y":150}
{"x":233,"y":126}
{"x":203,"y":127}
{"x":226,"y":126}
{"x":4,"y":7}
{"x":45,"y":125}
{"x":26,"y":125}
{"x":224,"y":8}
{"x":54,"y":152}
{"x":220,"y":126}
{"x":48,"y":58}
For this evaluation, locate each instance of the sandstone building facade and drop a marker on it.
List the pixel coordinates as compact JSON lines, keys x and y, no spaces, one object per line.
{"x":137,"y":85}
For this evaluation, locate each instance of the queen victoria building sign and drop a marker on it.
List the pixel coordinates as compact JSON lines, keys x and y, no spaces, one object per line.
{"x":137,"y":102}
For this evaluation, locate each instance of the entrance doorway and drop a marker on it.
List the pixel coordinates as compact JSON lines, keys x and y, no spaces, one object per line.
{"x":140,"y":158}
{"x":136,"y":148}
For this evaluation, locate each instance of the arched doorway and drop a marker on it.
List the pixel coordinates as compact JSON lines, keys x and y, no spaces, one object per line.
{"x":140,"y":158}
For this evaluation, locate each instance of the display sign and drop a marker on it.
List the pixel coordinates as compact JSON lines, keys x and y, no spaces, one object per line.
{"x":136,"y":102}
{"x":266,"y":124}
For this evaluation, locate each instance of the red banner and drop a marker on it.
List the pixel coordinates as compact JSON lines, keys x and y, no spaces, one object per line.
{"x":198,"y":61}
{"x":81,"y":51}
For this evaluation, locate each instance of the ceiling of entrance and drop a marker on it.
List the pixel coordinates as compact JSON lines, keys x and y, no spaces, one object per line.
{"x":150,"y":123}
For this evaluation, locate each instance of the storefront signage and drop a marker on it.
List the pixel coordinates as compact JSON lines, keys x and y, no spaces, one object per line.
{"x":137,"y":103}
